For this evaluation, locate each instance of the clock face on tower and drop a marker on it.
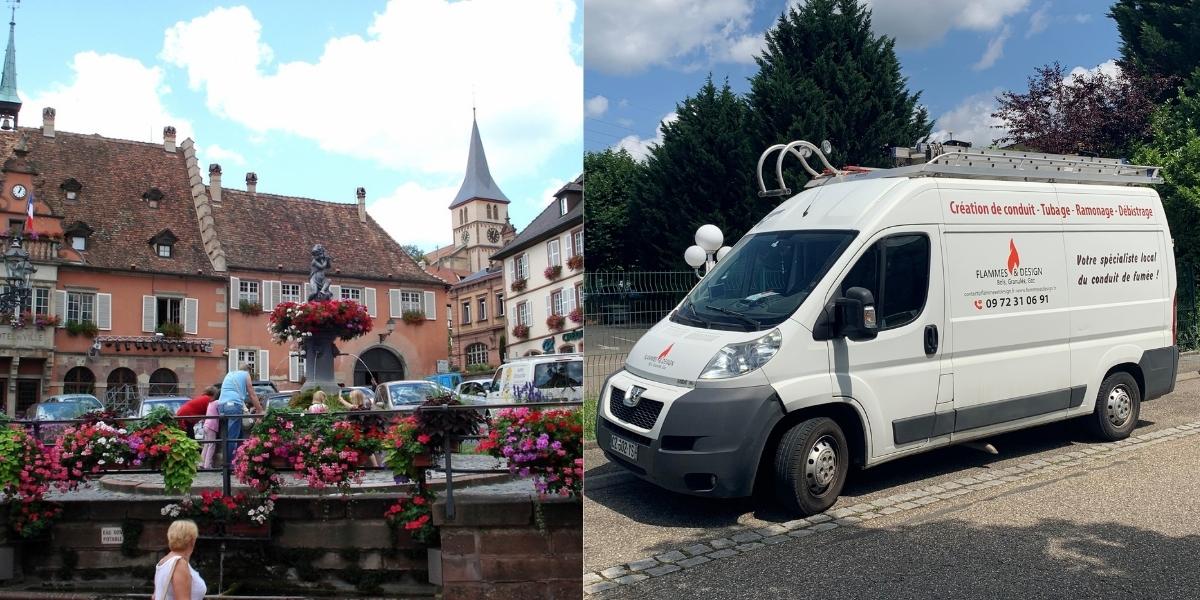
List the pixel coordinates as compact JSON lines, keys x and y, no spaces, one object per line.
{"x":466,"y":237}
{"x":493,"y":235}
{"x":18,"y":191}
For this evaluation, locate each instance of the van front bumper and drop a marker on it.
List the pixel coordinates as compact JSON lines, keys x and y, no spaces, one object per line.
{"x":708,"y":441}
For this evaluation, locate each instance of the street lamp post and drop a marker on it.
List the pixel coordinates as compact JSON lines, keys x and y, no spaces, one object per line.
{"x":707,"y":251}
{"x":16,"y":281}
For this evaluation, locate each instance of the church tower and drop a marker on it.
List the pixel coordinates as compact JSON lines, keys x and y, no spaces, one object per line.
{"x":479,"y":212}
{"x":10,"y":102}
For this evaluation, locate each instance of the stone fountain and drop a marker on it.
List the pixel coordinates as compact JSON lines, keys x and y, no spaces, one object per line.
{"x":319,"y":350}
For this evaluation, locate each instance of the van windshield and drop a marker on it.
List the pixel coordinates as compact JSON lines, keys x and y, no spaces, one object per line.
{"x":568,"y":374}
{"x":763,"y":280}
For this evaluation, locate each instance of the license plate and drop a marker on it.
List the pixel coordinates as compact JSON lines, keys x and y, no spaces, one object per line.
{"x":623,"y":447}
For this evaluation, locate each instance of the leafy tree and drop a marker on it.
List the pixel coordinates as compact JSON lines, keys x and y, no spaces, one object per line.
{"x":825,"y":76}
{"x":1158,"y":39}
{"x":610,"y":180}
{"x":414,"y":251}
{"x":702,"y":172}
{"x":1175,"y":146}
{"x":1080,"y":113}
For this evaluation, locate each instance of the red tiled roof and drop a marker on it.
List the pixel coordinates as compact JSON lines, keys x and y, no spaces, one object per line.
{"x":263,"y":231}
{"x":115,"y":174}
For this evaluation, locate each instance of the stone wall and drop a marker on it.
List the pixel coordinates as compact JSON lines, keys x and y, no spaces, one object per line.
{"x":494,"y":548}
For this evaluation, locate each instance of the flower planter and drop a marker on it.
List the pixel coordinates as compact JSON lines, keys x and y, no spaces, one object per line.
{"x":279,"y":463}
{"x":423,"y":461}
{"x":248,"y":530}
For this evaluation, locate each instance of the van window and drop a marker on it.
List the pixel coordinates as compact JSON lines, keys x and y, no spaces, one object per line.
{"x":896,"y":271}
{"x":763,"y":280}
{"x":558,"y":375}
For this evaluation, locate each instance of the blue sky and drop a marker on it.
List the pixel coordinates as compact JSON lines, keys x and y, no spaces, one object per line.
{"x":645,"y":56}
{"x":319,"y":98}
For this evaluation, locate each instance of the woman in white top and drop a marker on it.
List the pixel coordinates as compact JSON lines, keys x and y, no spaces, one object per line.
{"x":174,"y":578}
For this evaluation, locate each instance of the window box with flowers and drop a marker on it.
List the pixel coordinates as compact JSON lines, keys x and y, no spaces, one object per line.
{"x":576,"y":315}
{"x":521,"y":331}
{"x":84,"y":328}
{"x":575,"y":262}
{"x":252,"y":309}
{"x":413,"y":317}
{"x":239,"y":514}
{"x":27,"y":318}
{"x":553,"y":272}
{"x":170,"y":330}
{"x":555,"y":322}
{"x":519,"y":285}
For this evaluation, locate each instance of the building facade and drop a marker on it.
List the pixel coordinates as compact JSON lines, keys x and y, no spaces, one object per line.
{"x":479,"y":321}
{"x":543,"y":273}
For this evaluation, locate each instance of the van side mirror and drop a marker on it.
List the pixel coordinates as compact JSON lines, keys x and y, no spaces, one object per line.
{"x":855,"y":315}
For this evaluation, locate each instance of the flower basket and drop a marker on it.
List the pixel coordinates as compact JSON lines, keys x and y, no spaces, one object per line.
{"x":553,"y":272}
{"x":546,"y":445}
{"x":414,"y":515}
{"x":84,"y":328}
{"x":521,"y":331}
{"x":519,"y":285}
{"x":555,"y":322}
{"x":279,"y":462}
{"x":252,"y":309}
{"x":242,"y":515}
{"x":345,"y":319}
{"x":575,"y":262}
{"x":248,"y":530}
{"x":423,"y":460}
{"x":413,"y":317}
{"x":576,"y":315}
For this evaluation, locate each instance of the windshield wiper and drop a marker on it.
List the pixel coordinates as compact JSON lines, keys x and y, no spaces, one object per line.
{"x":734,"y":313}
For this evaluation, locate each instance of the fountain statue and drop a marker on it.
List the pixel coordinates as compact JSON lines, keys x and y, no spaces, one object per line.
{"x":319,"y":350}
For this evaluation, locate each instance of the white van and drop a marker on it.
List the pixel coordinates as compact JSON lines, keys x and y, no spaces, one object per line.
{"x":890,"y":312}
{"x":555,"y":377}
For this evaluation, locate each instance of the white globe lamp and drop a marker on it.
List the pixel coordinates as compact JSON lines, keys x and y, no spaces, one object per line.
{"x":709,"y":238}
{"x":695,"y":256}
{"x":722,"y":252}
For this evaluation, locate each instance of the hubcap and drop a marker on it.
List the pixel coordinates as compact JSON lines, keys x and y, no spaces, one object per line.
{"x":1120,"y":406}
{"x":821,"y":465}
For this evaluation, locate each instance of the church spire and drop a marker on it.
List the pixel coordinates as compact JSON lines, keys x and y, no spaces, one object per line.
{"x":10,"y":102}
{"x":478,"y":182}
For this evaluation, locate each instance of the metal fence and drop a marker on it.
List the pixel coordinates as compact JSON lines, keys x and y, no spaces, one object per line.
{"x":618,"y":308}
{"x":1187,"y":309}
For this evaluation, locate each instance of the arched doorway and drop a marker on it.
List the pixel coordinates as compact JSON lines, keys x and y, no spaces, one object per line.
{"x":164,"y":382}
{"x":79,"y":380}
{"x":381,"y":364}
{"x":122,"y":394}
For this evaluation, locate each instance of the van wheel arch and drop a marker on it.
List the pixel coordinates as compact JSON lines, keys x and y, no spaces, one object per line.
{"x":1134,"y":370}
{"x":843,"y":413}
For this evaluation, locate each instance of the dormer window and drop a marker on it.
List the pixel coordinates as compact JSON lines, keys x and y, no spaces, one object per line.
{"x":71,"y":189}
{"x":78,"y":242}
{"x":164,"y":244}
{"x":562,"y":206}
{"x":152,"y":197}
{"x":77,"y":234}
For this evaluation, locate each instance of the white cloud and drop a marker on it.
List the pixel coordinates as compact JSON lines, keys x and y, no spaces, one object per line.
{"x":405,"y":214}
{"x":629,"y":36}
{"x":372,"y":96}
{"x":546,"y":197}
{"x":916,"y":24}
{"x":1038,"y":21}
{"x":971,"y":121}
{"x":995,"y":49}
{"x":213,"y":153}
{"x":640,"y":147}
{"x":745,"y":48}
{"x":88,"y":105}
{"x":595,"y":106}
{"x":1108,"y":67}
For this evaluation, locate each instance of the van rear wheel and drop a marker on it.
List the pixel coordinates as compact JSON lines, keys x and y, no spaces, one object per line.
{"x":1118,"y":405}
{"x":811,"y":462}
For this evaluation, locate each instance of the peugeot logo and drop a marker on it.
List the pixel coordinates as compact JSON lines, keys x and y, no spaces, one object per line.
{"x":633,"y":397}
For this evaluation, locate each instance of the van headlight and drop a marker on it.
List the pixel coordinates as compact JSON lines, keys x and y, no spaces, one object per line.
{"x":739,"y":359}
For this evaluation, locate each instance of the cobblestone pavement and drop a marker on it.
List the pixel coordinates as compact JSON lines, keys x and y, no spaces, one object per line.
{"x":662,"y":535}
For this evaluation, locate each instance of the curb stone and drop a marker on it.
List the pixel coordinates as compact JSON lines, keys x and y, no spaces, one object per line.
{"x":697,"y":554}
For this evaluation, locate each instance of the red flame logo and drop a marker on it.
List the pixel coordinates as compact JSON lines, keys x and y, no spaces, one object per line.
{"x":666,"y":352}
{"x":1014,"y":259}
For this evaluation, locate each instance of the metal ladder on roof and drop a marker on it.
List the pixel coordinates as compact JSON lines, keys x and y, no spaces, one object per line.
{"x":963,"y":162}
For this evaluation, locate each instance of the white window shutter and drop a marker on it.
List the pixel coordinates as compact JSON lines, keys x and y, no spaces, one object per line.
{"x":394,"y":309}
{"x":60,"y":307}
{"x":568,"y":299}
{"x":191,"y":316}
{"x":233,"y":359}
{"x":336,"y":290}
{"x":235,"y":288}
{"x":549,"y":307}
{"x":293,"y":367}
{"x":104,"y":312}
{"x":369,"y":300}
{"x":264,"y":364}
{"x":570,"y":247}
{"x":430,"y":306}
{"x":149,"y":316}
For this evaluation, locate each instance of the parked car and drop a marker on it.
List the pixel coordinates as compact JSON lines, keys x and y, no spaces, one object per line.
{"x":58,"y":410}
{"x":473,"y":391}
{"x":171,"y":403}
{"x":277,"y":400}
{"x":410,"y":393}
{"x":88,"y":400}
{"x":554,"y":376}
{"x":368,"y":392}
{"x":264,"y":388}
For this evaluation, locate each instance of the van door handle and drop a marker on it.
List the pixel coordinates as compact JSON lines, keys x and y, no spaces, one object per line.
{"x":931,"y":340}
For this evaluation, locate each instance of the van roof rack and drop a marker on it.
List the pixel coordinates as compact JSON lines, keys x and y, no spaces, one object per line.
{"x":941,"y":160}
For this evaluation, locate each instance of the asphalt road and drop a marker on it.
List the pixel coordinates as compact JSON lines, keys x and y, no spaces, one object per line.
{"x":1109,"y":530}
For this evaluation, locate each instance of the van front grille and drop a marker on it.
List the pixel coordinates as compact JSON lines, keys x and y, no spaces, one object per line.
{"x":644,"y":414}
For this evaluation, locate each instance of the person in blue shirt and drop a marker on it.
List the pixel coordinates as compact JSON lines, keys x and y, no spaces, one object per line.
{"x":235,"y":391}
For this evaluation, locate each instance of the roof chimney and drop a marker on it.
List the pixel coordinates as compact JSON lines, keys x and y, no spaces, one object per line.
{"x":48,"y":121}
{"x":362,"y":204}
{"x":169,"y":138}
{"x":214,"y":182}
{"x":251,"y":183}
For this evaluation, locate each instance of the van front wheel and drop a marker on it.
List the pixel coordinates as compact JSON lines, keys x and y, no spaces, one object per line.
{"x":811,"y":462}
{"x":1117,"y":407}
